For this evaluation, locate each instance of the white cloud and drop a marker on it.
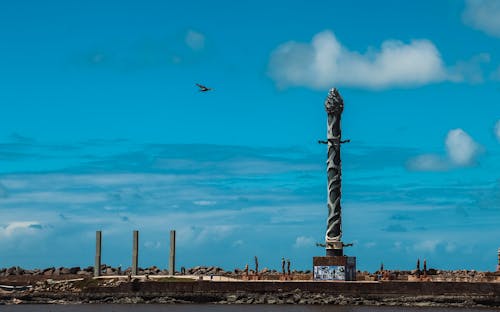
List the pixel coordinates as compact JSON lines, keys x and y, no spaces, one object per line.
{"x":19,"y":227}
{"x":470,"y":70}
{"x":428,"y":162}
{"x":325,"y":62}
{"x":427,"y":245}
{"x":238,"y":243}
{"x":55,"y":197}
{"x":3,"y":191}
{"x":495,"y":75}
{"x":198,"y":235}
{"x":303,"y":241}
{"x":483,"y":15}
{"x":497,"y":130}
{"x":461,"y":148}
{"x":205,"y":202}
{"x":195,"y":40}
{"x":450,"y":247}
{"x":370,"y":244}
{"x":152,"y":244}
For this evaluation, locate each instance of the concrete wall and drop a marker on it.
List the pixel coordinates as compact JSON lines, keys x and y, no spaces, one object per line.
{"x":345,"y":288}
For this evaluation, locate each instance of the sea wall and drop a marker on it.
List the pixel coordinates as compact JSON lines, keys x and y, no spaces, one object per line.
{"x":443,"y":294}
{"x":345,"y":288}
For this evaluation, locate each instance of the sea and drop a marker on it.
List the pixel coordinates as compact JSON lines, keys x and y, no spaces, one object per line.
{"x":222,"y":308}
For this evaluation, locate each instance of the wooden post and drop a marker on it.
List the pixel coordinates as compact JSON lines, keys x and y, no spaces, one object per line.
{"x":97,"y":265}
{"x":135,"y":252}
{"x":171,"y":262}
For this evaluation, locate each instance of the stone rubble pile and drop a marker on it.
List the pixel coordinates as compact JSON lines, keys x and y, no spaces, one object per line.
{"x":106,"y":270}
{"x":47,"y":271}
{"x":111,"y":271}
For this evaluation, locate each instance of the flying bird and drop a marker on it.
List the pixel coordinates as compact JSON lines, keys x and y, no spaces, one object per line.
{"x":203,"y":88}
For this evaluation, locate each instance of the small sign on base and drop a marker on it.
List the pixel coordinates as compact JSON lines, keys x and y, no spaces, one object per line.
{"x":334,"y":268}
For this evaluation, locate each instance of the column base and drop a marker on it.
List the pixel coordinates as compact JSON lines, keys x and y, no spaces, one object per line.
{"x":334,"y":268}
{"x":335,"y":252}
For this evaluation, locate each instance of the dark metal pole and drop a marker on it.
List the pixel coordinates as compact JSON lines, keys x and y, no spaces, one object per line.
{"x":135,"y":252}
{"x":97,"y":265}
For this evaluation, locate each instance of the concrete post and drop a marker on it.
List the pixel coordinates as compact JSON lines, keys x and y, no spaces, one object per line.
{"x":498,"y":265}
{"x":97,"y":265}
{"x":171,"y":262}
{"x":135,"y":252}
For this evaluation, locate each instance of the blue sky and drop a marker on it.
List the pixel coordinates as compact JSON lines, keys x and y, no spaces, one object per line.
{"x":102,"y":127}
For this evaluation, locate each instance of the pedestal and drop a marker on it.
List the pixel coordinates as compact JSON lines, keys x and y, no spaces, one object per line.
{"x":334,"y":268}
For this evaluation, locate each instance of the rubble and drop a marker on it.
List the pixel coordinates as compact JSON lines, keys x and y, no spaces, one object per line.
{"x":265,"y":274}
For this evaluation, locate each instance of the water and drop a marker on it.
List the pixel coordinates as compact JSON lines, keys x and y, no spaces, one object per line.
{"x":221,"y":308}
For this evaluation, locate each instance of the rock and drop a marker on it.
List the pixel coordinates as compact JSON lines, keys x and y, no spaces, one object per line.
{"x":48,"y":271}
{"x":83,"y":273}
{"x":74,"y":270}
{"x":64,"y":271}
{"x":272,"y":300}
{"x":297,"y":298}
{"x":10,"y":271}
{"x":231,"y":298}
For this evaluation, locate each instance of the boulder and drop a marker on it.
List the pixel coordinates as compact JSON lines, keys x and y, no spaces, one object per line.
{"x":11,"y":271}
{"x":74,"y":270}
{"x":81,"y":272}
{"x":64,"y":271}
{"x":48,"y":272}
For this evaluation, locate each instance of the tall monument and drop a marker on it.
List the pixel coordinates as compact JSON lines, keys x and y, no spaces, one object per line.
{"x":334,"y":105}
{"x":335,"y":266}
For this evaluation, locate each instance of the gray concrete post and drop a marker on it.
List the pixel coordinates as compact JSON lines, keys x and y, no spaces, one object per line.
{"x":498,"y":265}
{"x":135,"y":252}
{"x":171,"y":262}
{"x":97,"y":265}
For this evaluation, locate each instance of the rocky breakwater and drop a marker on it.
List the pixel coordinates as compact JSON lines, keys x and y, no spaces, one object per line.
{"x":10,"y":274}
{"x":18,"y":271}
{"x":18,"y":274}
